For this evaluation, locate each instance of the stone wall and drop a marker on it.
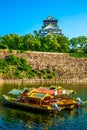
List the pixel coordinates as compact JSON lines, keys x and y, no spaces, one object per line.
{"x":74,"y":69}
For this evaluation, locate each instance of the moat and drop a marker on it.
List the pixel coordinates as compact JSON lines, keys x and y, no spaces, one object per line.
{"x":12,"y":119}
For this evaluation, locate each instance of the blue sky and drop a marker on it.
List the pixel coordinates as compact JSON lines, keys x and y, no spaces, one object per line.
{"x":25,"y":16}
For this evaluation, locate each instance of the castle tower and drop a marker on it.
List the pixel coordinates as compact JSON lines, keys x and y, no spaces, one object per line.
{"x":50,"y":27}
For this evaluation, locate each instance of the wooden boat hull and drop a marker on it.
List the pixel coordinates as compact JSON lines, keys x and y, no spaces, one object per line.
{"x":29,"y":107}
{"x":68,"y":105}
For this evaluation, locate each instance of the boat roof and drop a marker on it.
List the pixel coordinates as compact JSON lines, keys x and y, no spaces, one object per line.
{"x":44,"y":90}
{"x":15,"y":92}
{"x":39,"y":95}
{"x":52,"y":90}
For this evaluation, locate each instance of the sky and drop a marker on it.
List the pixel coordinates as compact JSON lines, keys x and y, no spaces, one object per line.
{"x":24,"y":16}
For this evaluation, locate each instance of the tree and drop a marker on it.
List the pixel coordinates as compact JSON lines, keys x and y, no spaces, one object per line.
{"x":82,"y":41}
{"x":12,"y":41}
{"x":78,"y":44}
{"x":2,"y":46}
{"x":53,"y":44}
{"x":63,"y":42}
{"x":31,"y":43}
{"x":36,"y":34}
{"x":73,"y":44}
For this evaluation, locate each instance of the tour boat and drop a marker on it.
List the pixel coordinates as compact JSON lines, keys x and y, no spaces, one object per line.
{"x":31,"y":100}
{"x":41,"y":99}
{"x":61,"y":96}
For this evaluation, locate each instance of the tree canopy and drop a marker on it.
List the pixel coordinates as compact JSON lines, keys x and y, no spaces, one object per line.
{"x":49,"y":43}
{"x":78,"y":44}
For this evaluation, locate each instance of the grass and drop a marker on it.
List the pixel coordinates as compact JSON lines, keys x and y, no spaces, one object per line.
{"x":78,"y":55}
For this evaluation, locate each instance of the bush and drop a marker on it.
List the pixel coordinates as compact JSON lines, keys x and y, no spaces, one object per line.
{"x":31,"y":75}
{"x":50,"y":76}
{"x":34,"y":71}
{"x":3,"y":66}
{"x":10,"y":50}
{"x":3,"y":46}
{"x":12,"y":60}
{"x":43,"y":72}
{"x":49,"y":71}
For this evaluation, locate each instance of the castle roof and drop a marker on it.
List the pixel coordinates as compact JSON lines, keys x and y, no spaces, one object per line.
{"x":50,"y":26}
{"x":50,"y":18}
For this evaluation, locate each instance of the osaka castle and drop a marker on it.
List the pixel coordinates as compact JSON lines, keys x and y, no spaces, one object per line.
{"x":50,"y":27}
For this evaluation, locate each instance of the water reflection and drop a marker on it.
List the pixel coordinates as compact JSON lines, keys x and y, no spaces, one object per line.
{"x":12,"y":119}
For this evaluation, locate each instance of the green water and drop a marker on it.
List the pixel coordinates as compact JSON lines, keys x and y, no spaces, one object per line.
{"x":13,"y":119}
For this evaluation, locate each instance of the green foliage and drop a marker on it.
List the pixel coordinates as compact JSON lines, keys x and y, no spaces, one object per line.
{"x":50,"y":76}
{"x":54,"y":69}
{"x":54,"y":74}
{"x":47,"y":74}
{"x":34,"y":71}
{"x":78,"y":55}
{"x":49,"y":43}
{"x":31,"y":74}
{"x":49,"y":71}
{"x":78,"y":44}
{"x":3,"y":66}
{"x":63,"y":42}
{"x":12,"y":67}
{"x":15,"y":67}
{"x":12,"y":60}
{"x":43,"y":72}
{"x":11,"y":40}
{"x":85,"y":49}
{"x":17,"y":74}
{"x":30,"y":43}
{"x":10,"y":50}
{"x":2,"y":46}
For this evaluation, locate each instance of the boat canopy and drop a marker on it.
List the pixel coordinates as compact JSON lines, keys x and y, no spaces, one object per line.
{"x":15,"y":92}
{"x":38,"y":95}
{"x":43,"y":90}
{"x":59,"y":90}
